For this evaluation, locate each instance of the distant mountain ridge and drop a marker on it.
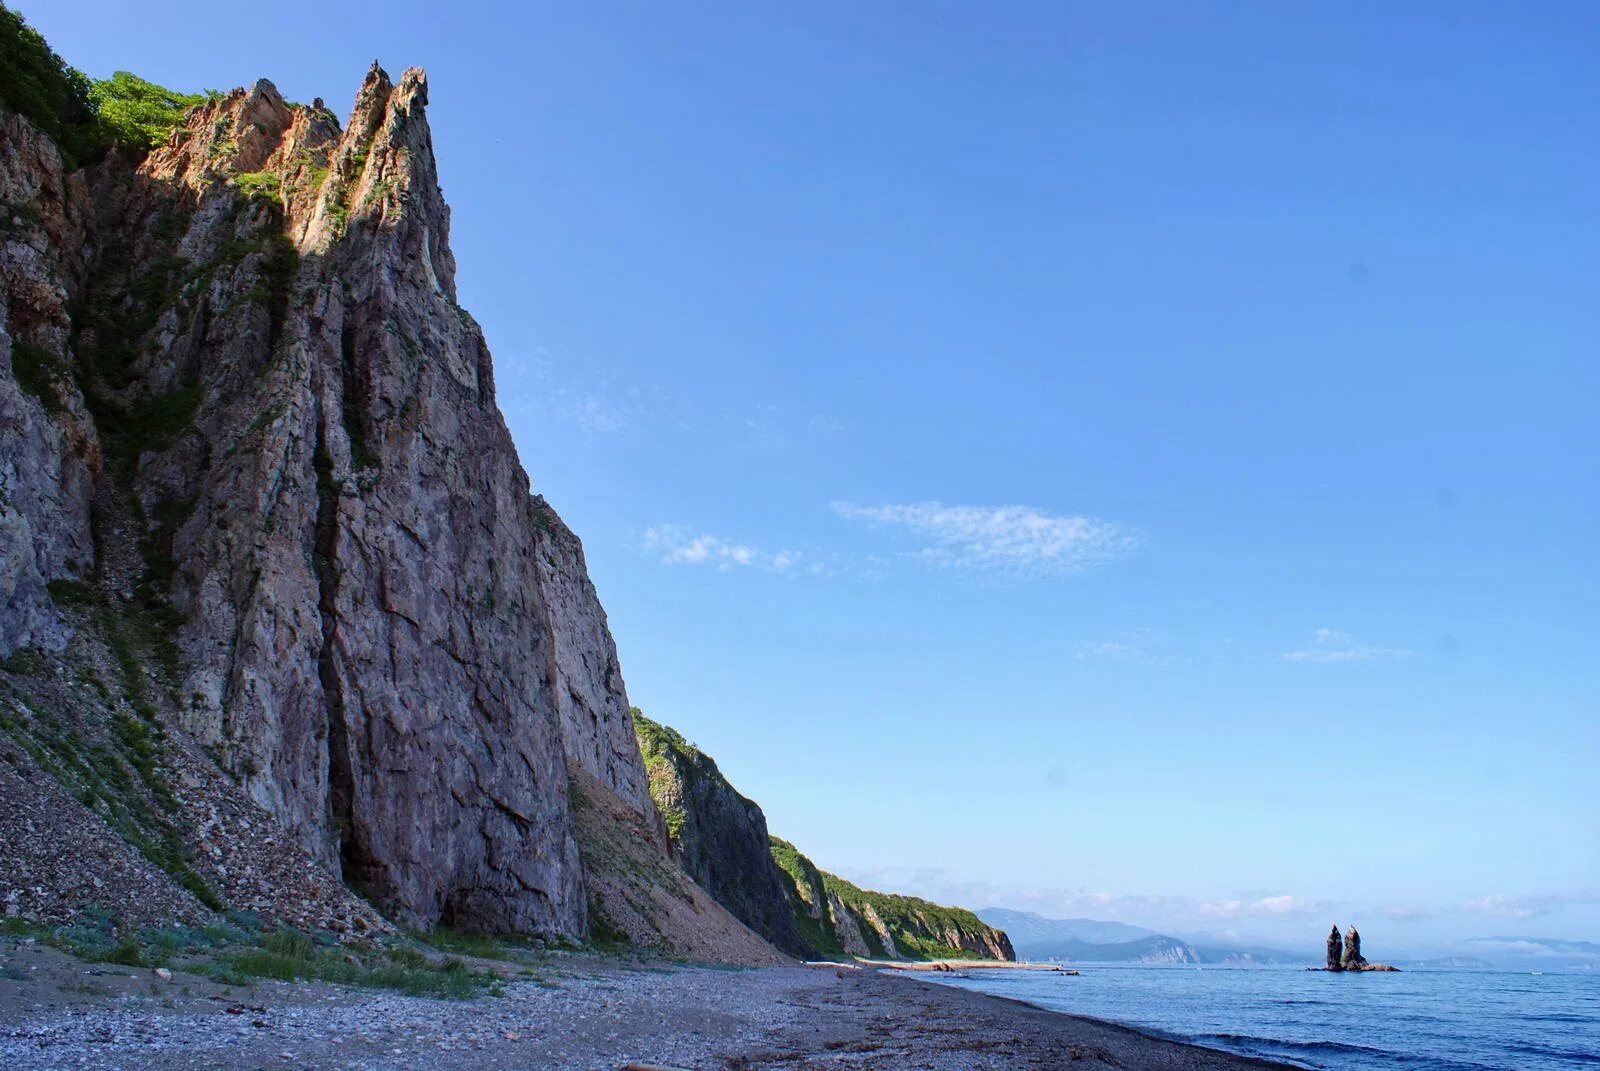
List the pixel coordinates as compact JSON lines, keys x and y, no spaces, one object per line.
{"x":1036,"y":937}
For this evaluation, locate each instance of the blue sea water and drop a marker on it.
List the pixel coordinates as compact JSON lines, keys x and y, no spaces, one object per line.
{"x":1421,"y":1020}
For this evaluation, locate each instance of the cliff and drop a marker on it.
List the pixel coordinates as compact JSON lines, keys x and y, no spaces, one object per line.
{"x":720,"y":837}
{"x":837,"y":918}
{"x":278,"y":608}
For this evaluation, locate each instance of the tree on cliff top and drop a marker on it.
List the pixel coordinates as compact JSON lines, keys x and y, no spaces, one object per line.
{"x":38,"y":84}
{"x":83,"y":117}
{"x":140,"y":113}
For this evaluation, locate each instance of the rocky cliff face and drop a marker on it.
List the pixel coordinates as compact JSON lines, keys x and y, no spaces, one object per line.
{"x":253,"y":471}
{"x":836,"y":917}
{"x":719,"y":836}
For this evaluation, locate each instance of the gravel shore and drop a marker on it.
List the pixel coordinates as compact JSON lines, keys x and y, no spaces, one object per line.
{"x":579,"y":1012}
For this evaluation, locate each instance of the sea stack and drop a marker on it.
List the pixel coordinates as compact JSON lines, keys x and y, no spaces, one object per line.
{"x":1335,"y":949}
{"x":1353,"y":960}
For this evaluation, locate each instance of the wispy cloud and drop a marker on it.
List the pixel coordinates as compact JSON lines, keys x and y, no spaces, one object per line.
{"x":1331,"y":645}
{"x":1278,"y":906}
{"x":599,"y":413}
{"x":1131,"y":645}
{"x":1108,"y":649}
{"x":1017,"y":538}
{"x":1404,"y":913}
{"x":678,"y":545}
{"x":1529,"y":907}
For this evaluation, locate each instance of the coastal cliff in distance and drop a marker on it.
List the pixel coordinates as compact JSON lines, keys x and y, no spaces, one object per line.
{"x":280,"y":614}
{"x":721,"y":838}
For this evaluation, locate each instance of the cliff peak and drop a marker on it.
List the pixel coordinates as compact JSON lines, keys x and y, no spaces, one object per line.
{"x":255,"y":477}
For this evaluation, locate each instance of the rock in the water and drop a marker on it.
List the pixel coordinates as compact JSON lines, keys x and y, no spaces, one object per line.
{"x":1352,"y":951}
{"x":1335,"y":950}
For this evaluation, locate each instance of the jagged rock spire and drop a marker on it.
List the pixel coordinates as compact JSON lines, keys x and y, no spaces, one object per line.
{"x":1353,"y":960}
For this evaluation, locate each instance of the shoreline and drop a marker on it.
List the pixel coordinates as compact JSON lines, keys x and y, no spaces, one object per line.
{"x":941,"y":966}
{"x":572,"y":1011}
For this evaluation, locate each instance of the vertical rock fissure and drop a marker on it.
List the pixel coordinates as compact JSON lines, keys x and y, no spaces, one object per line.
{"x":341,"y":783}
{"x":350,"y":412}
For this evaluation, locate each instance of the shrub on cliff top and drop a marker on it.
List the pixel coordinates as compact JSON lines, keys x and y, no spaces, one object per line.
{"x":139,"y":113}
{"x":38,"y":84}
{"x":83,"y":117}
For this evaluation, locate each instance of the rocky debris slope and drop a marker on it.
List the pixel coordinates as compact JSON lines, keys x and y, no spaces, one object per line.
{"x":721,"y":838}
{"x":638,"y":896}
{"x":255,"y":483}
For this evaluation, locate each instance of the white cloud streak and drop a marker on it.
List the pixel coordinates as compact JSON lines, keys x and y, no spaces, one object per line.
{"x":1529,"y":907}
{"x":1261,"y":907}
{"x":1012,"y":538}
{"x":1330,"y":645}
{"x":677,"y":545}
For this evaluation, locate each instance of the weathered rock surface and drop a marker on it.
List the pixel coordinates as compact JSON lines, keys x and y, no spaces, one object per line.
{"x":642,"y":897}
{"x":718,"y":836}
{"x":837,"y":917}
{"x":1344,"y":954}
{"x":1353,"y":960}
{"x":245,"y":423}
{"x":47,"y":446}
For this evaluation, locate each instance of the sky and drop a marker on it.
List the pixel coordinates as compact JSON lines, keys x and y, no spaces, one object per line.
{"x":1132,"y":461}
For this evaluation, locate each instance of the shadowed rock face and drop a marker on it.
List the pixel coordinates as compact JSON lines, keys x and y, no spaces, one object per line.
{"x":721,"y":839}
{"x":1335,"y":950}
{"x":718,"y":836}
{"x":1353,"y":960}
{"x":268,"y":417}
{"x":836,"y":917}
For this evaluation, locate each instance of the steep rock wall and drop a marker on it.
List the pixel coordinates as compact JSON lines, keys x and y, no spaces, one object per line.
{"x":836,"y":917}
{"x":721,"y":839}
{"x":250,"y":412}
{"x":719,"y":836}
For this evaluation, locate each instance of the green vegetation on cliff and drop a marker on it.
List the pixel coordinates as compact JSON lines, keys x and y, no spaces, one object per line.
{"x":38,"y":84}
{"x":718,"y":836}
{"x":139,"y":113}
{"x":721,"y":840}
{"x":82,"y":116}
{"x":659,"y":744}
{"x":888,"y":924}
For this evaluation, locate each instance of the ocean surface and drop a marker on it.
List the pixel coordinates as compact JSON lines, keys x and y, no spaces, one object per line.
{"x":1421,"y":1020}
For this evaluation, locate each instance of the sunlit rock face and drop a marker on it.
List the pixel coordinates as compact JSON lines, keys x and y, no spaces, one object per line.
{"x":265,"y":415}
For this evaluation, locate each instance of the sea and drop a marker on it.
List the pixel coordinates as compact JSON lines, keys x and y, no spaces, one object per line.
{"x":1416,"y":1020}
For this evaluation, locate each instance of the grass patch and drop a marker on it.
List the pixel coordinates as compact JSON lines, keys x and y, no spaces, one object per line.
{"x":239,"y":951}
{"x":25,"y":662}
{"x":39,"y":373}
{"x":260,"y":186}
{"x":155,"y":423}
{"x":292,"y":955}
{"x":66,"y":591}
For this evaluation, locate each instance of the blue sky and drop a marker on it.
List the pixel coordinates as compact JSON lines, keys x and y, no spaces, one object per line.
{"x":1118,"y":460}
